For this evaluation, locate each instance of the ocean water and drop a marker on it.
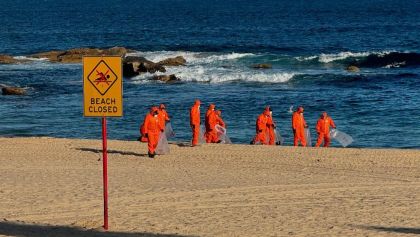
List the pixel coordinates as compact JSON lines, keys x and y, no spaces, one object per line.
{"x":309,"y":44}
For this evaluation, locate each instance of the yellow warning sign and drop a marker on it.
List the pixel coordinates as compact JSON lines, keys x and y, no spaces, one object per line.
{"x":102,"y":86}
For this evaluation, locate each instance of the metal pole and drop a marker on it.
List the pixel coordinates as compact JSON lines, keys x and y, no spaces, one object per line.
{"x":105,"y":172}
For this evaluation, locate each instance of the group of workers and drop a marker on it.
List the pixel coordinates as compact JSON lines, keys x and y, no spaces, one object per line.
{"x":213,"y":117}
{"x":265,"y":128}
{"x":155,"y":122}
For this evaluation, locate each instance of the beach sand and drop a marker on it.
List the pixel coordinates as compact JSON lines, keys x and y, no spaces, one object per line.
{"x":53,"y":187}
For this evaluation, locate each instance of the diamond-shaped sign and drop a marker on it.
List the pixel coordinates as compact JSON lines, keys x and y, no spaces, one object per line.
{"x":102,"y":77}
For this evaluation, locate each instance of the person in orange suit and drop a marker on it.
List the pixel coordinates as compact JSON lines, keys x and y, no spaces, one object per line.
{"x":210,"y":122}
{"x":270,"y":127}
{"x":152,"y":128}
{"x":323,"y":129}
{"x":261,"y":128}
{"x":210,"y":110}
{"x":195,"y":122}
{"x":220,"y":122}
{"x":163,"y":116}
{"x":298,"y":126}
{"x":219,"y":119}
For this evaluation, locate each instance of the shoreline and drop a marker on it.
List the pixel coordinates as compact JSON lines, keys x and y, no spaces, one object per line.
{"x":172,"y":142}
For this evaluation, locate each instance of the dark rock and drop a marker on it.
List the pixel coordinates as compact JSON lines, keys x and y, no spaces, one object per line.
{"x":352,"y":68}
{"x":128,"y":70}
{"x":177,"y":61}
{"x":262,"y":66}
{"x":13,"y":91}
{"x":150,"y":67}
{"x":133,"y":66}
{"x":166,"y":78}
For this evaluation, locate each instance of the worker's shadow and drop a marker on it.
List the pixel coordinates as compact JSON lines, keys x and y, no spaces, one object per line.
{"x":181,"y":144}
{"x":125,"y":153}
{"x":390,"y":229}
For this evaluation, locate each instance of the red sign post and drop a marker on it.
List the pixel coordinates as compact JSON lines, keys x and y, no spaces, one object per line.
{"x":105,"y":172}
{"x":102,"y":97}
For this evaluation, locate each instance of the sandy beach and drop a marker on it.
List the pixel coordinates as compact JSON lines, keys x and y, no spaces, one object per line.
{"x":53,"y":187}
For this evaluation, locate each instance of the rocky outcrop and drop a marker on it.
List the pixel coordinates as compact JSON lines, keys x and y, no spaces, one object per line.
{"x":352,"y":68}
{"x":133,"y":65}
{"x":76,"y":55}
{"x":262,"y":66}
{"x":7,"y":59}
{"x":166,"y":78}
{"x":13,"y":91}
{"x":177,"y":61}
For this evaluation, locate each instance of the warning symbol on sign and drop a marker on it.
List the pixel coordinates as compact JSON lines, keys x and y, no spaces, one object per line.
{"x":102,"y":77}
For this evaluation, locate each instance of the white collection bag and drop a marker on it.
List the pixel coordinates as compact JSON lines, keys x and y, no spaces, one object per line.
{"x":343,"y":138}
{"x":222,"y":134}
{"x":308,"y":137}
{"x":163,"y":146}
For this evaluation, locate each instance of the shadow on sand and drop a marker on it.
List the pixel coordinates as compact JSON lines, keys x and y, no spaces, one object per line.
{"x":125,"y":153}
{"x":403,"y":230}
{"x":36,"y":230}
{"x":181,"y":144}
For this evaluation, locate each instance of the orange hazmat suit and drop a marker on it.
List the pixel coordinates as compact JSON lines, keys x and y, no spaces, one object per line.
{"x":210,"y":122}
{"x":163,"y":116}
{"x":195,"y":122}
{"x":270,"y":128}
{"x":298,"y":126}
{"x":152,"y":130}
{"x":323,"y":130}
{"x":261,"y":128}
{"x":219,"y":119}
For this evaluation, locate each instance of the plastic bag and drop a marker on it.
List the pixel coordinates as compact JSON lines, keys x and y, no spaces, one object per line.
{"x":343,"y":138}
{"x":308,"y":137}
{"x":162,"y":146}
{"x":279,"y":139}
{"x":201,"y":137}
{"x":169,"y":132}
{"x":222,"y":134}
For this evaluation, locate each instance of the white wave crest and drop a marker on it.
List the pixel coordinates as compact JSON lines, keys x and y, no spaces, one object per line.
{"x":327,"y":58}
{"x":212,"y":68}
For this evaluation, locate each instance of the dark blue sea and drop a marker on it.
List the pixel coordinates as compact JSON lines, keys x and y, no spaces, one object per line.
{"x":309,"y":44}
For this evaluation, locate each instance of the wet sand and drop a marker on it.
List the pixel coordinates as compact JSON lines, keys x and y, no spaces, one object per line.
{"x":53,"y":187}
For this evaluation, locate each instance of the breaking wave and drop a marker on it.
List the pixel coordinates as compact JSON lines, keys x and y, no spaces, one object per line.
{"x":191,"y":57}
{"x":212,"y":68}
{"x":200,"y":73}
